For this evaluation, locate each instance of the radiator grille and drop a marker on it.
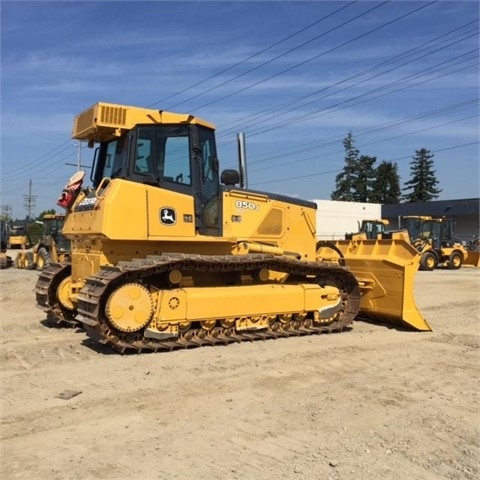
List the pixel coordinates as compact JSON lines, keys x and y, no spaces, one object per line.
{"x":113,"y":115}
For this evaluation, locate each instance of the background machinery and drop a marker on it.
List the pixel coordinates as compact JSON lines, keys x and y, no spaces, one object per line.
{"x":18,"y":237}
{"x":371,"y":229}
{"x":473,"y":258}
{"x":435,"y":239}
{"x":168,"y":253}
{"x":5,"y":260}
{"x":51,"y":247}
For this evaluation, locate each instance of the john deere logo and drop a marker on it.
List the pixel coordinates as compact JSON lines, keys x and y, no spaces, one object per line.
{"x":168,"y":216}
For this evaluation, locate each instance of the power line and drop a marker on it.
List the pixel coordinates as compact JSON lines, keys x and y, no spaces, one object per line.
{"x":226,"y":82}
{"x":406,"y":53}
{"x":375,"y":129}
{"x":305,"y":28}
{"x":45,"y":169}
{"x":396,"y":137}
{"x":315,"y":57}
{"x":256,"y":54}
{"x":38,"y":160}
{"x":337,"y":171}
{"x":40,"y":166}
{"x":347,"y":103}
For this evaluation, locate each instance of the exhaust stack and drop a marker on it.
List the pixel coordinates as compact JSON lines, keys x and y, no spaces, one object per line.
{"x":242,"y":160}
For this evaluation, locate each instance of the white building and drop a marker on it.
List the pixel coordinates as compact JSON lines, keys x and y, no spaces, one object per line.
{"x":335,"y":218}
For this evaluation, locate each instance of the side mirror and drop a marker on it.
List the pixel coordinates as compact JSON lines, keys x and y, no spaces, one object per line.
{"x":230,"y":177}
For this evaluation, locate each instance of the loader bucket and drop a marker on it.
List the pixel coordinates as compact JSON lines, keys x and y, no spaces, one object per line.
{"x":473,"y":258}
{"x":385,"y":270}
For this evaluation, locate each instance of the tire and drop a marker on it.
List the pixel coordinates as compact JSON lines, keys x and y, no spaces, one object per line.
{"x":455,"y":261}
{"x":428,"y":261}
{"x":29,"y":263}
{"x":44,"y":258}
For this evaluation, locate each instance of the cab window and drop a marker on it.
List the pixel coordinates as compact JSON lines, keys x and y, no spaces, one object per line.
{"x":144,"y":157}
{"x":115,"y":158}
{"x":176,"y":160}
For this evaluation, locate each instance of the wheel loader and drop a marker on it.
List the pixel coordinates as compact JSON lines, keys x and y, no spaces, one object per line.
{"x":435,"y":239}
{"x":168,"y":253}
{"x":51,"y":247}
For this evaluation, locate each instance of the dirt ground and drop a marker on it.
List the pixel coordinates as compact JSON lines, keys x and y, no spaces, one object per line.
{"x":371,"y":403}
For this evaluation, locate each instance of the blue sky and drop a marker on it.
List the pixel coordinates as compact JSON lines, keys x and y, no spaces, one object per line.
{"x":295,"y":76}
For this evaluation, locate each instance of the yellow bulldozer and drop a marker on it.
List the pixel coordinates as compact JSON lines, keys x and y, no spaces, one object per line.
{"x":370,"y":229}
{"x":435,"y":239}
{"x":51,"y":247}
{"x":167,"y":252}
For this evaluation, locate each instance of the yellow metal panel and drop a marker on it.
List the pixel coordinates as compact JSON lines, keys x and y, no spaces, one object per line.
{"x":236,"y":301}
{"x":105,"y":121}
{"x":183,"y":205}
{"x":119,"y":213}
{"x":131,"y":211}
{"x":258,"y":218}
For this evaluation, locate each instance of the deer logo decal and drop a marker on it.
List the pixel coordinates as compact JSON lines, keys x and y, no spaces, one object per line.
{"x":168,"y":216}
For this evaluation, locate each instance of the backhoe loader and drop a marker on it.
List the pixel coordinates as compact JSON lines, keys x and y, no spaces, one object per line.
{"x":167,"y":252}
{"x":51,"y":247}
{"x":473,"y":258}
{"x":435,"y":240}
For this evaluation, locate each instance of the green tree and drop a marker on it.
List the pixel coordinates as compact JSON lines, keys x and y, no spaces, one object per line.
{"x":45,"y":212}
{"x":364,"y":176}
{"x":386,"y":186}
{"x":344,"y":181}
{"x":354,"y":182}
{"x":423,"y":181}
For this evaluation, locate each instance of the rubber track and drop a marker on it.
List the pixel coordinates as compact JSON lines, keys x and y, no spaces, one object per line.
{"x":92,"y":298}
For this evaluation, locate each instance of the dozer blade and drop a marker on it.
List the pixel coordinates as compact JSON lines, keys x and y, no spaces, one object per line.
{"x":385,"y":270}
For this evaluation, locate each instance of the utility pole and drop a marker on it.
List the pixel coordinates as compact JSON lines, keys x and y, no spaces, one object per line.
{"x":29,"y":202}
{"x":79,"y":165}
{"x":79,"y":155}
{"x":6,"y":212}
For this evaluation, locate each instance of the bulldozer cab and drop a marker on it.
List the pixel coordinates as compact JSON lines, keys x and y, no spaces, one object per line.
{"x":178,"y":158}
{"x":373,"y":228}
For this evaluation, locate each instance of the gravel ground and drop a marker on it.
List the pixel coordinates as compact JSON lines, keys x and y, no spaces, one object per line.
{"x":372,"y":403}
